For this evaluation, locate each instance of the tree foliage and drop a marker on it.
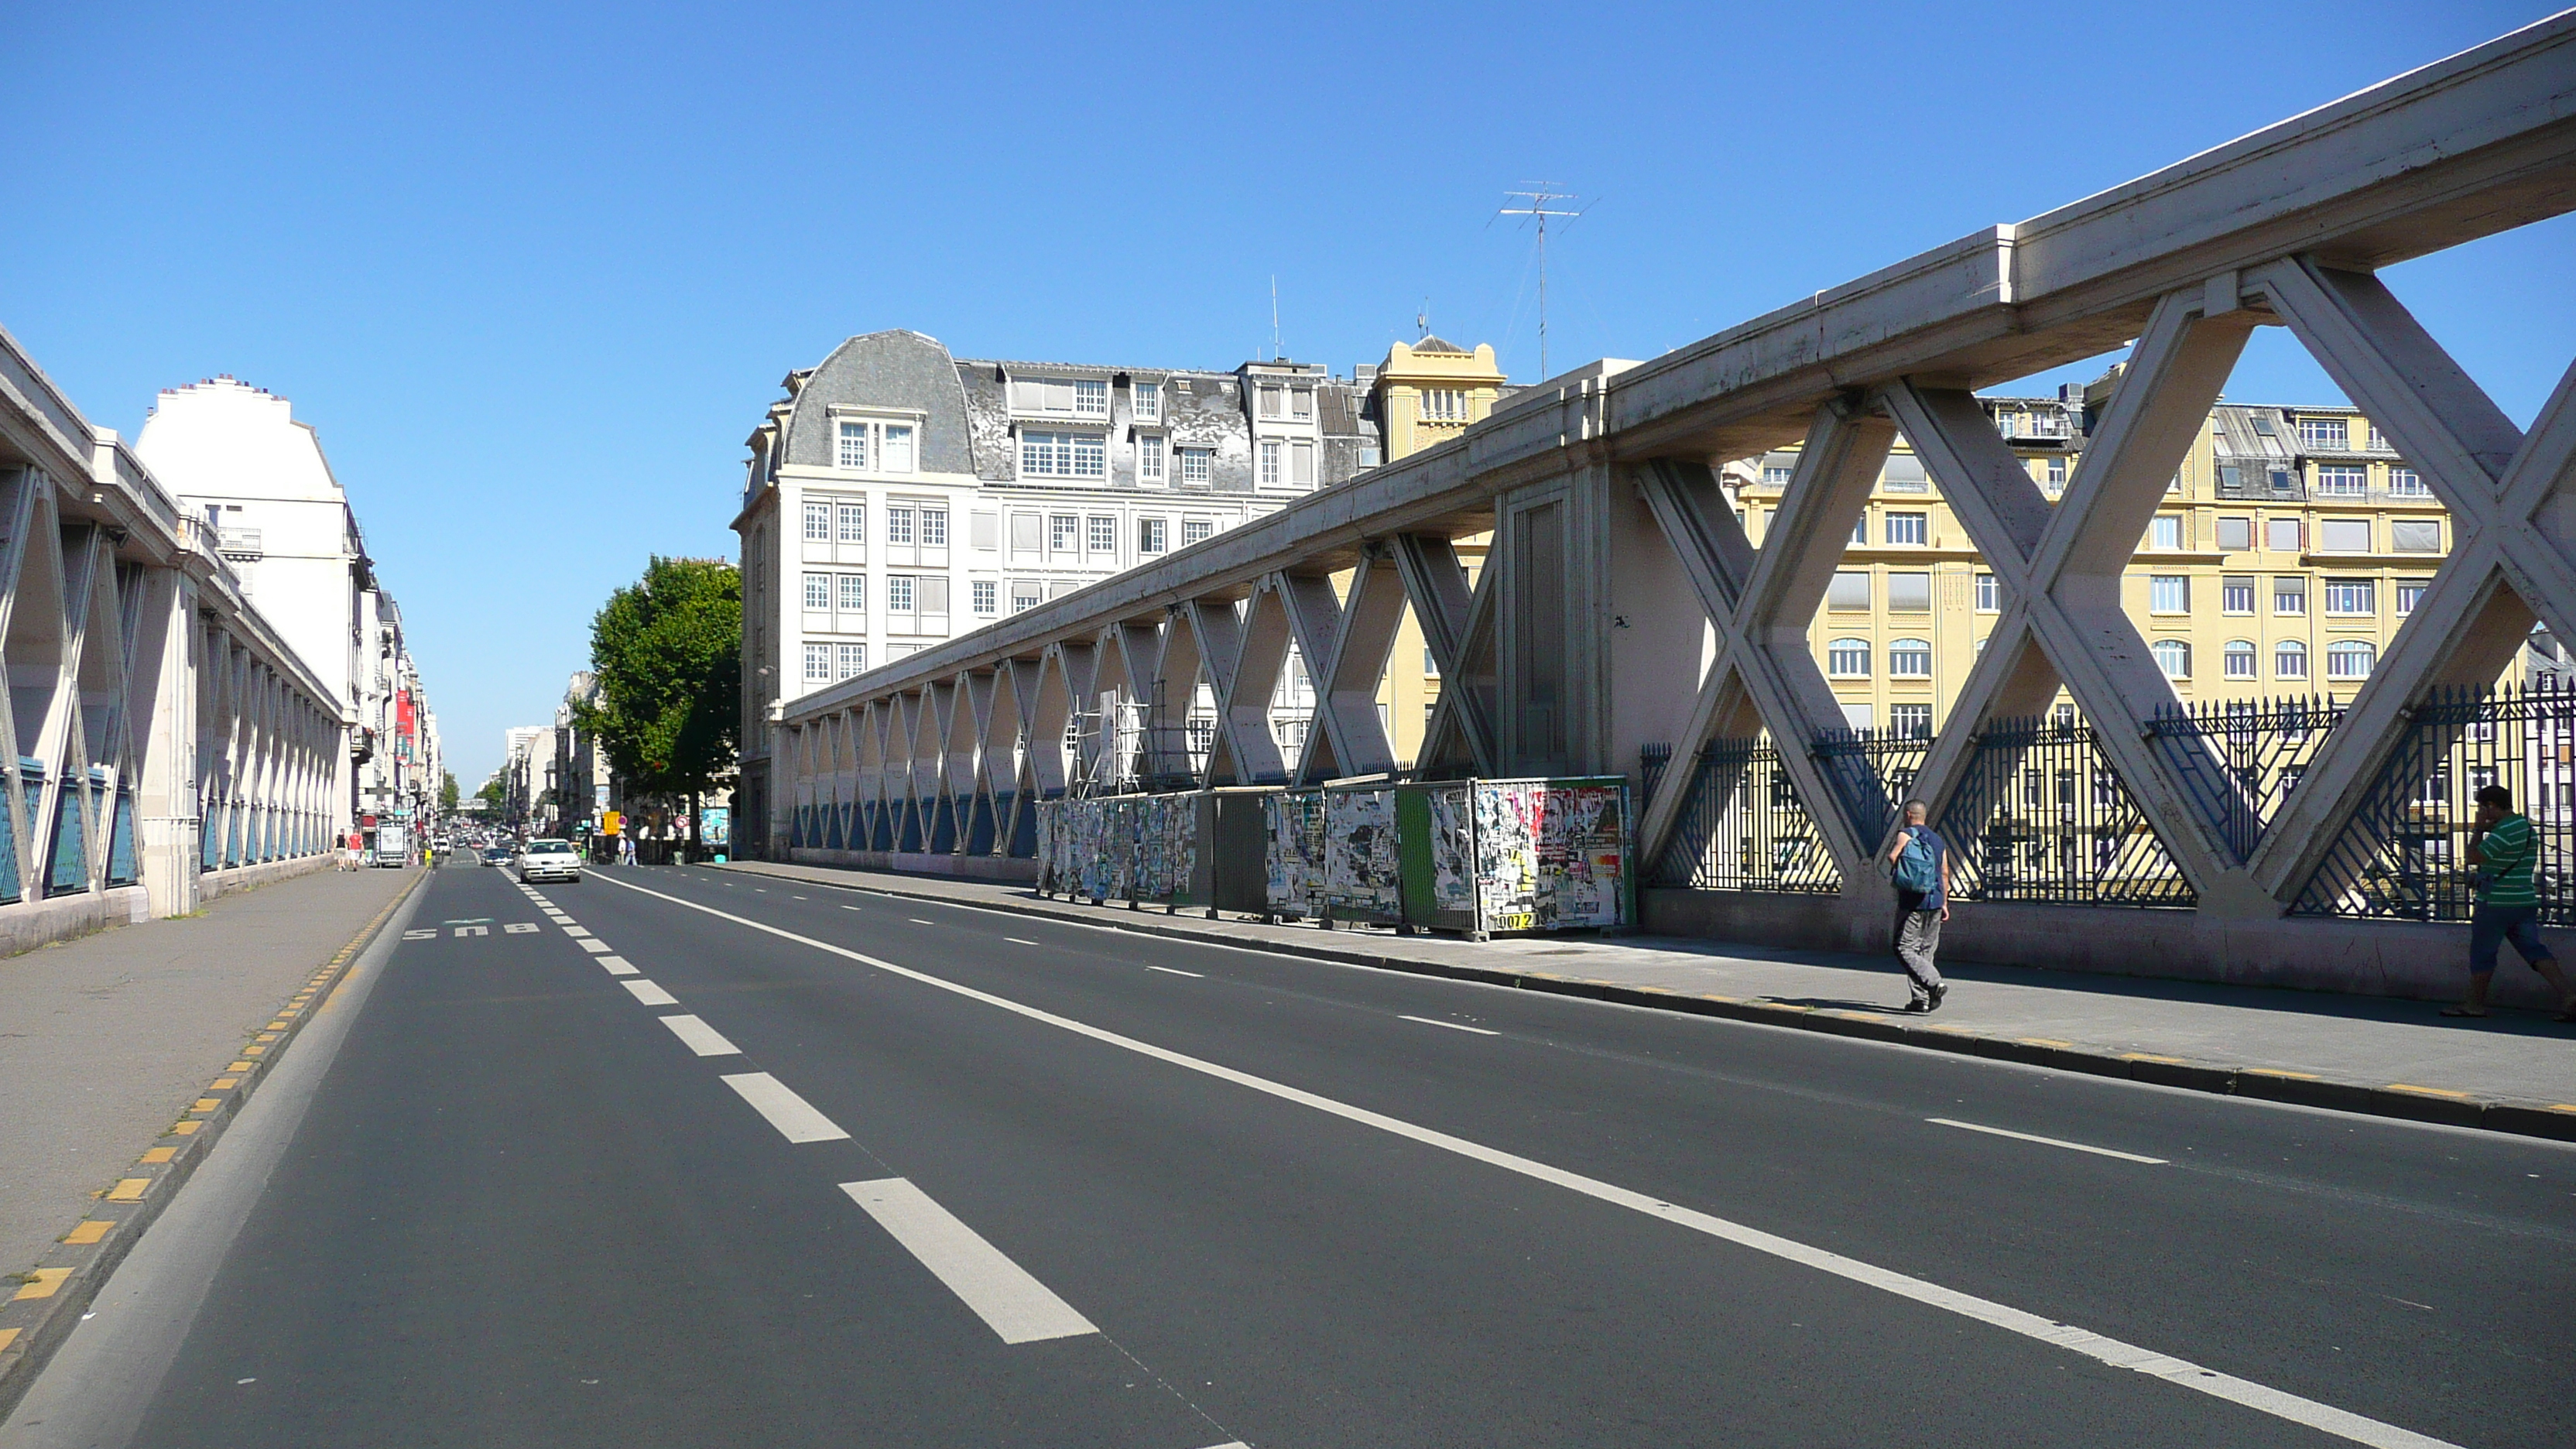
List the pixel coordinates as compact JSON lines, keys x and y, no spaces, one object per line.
{"x":667,"y":651}
{"x":494,"y":792}
{"x":447,"y":792}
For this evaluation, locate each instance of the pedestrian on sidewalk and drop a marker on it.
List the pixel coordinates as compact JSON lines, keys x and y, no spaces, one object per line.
{"x":2502,"y":854}
{"x":1919,"y":866}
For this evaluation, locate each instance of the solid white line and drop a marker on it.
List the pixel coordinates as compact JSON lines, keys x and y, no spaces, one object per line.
{"x":2181,"y":1372}
{"x":615,"y":965}
{"x":2047,"y":1141}
{"x":701,"y":1038}
{"x":793,"y":1116}
{"x":918,"y":921}
{"x":1016,"y":941}
{"x":1011,"y":1302}
{"x":1176,"y":971}
{"x":1453,"y":1026}
{"x":849,"y":908}
{"x":648,"y":993}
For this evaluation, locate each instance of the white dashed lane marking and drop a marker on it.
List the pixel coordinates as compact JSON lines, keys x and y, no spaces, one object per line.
{"x":2047,"y":1141}
{"x":1453,"y":1026}
{"x":793,"y":1116}
{"x":1009,"y":1300}
{"x":650,"y":994}
{"x":701,"y":1038}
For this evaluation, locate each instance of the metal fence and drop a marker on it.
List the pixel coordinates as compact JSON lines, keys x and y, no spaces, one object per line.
{"x":1871,"y":773}
{"x":2405,"y":854}
{"x":1743,"y":827}
{"x":2042,"y":816}
{"x":2240,"y":760}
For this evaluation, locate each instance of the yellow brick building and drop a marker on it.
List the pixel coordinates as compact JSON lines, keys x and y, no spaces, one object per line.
{"x":1427,"y":393}
{"x":2292,"y":545}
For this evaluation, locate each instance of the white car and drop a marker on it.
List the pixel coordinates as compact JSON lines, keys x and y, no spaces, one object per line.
{"x":549,"y":860}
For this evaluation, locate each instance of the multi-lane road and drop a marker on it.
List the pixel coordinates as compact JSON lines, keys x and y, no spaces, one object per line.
{"x":693,"y":1157}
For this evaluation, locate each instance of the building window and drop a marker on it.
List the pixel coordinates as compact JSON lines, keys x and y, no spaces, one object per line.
{"x":1091,"y":397}
{"x":934,"y":528}
{"x":1063,"y":533}
{"x":818,"y":523}
{"x":818,"y":663}
{"x":1775,"y":475}
{"x":818,"y":592}
{"x":1301,"y":402}
{"x":1444,"y":405}
{"x":2350,"y":659}
{"x":1270,"y":464}
{"x":1268,"y":395}
{"x":1149,"y":457}
{"x":2410,"y":592}
{"x":854,"y":659}
{"x":2290,"y":595}
{"x":899,"y":594}
{"x":1860,"y":527}
{"x":1847,"y":659}
{"x":854,"y":523}
{"x":2281,"y":535}
{"x":987,"y":596}
{"x":2342,"y":480}
{"x":1149,"y":403}
{"x":2235,"y":535}
{"x":1990,"y":594}
{"x":1087,"y":397}
{"x":1910,"y":721}
{"x":2406,"y":483}
{"x":1026,"y":594}
{"x":2237,"y":660}
{"x":2236,"y":594}
{"x":2166,"y":531}
{"x":854,"y":593}
{"x":1153,"y":535}
{"x":1198,"y":465}
{"x":894,"y":448}
{"x":854,"y":445}
{"x":1063,"y":455}
{"x":2414,"y":535}
{"x":1909,"y":659}
{"x":898,"y":525}
{"x":1197,"y":530}
{"x":1301,"y":460}
{"x":1102,"y":534}
{"x":2173,"y":656}
{"x":2007,"y":423}
{"x":1908,"y":528}
{"x":1849,"y":590}
{"x":2169,"y":594}
{"x":2057,"y":472}
{"x":2350,"y":598}
{"x":1909,"y":593}
{"x":2289,"y":660}
{"x":2343,"y":535}
{"x":2328,"y":433}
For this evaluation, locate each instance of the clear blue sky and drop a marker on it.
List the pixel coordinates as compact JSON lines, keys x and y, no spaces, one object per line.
{"x":534,"y":270}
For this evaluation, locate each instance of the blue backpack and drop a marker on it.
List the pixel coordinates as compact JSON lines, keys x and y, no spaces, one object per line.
{"x":1918,"y":869}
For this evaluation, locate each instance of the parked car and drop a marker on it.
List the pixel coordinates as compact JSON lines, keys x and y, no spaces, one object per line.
{"x":549,"y":860}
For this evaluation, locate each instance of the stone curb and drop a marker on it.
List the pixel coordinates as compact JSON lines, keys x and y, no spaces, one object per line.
{"x":2554,"y":1121}
{"x":68,"y":1278}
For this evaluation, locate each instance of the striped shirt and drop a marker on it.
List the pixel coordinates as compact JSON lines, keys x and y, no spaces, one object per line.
{"x":2506,"y":854}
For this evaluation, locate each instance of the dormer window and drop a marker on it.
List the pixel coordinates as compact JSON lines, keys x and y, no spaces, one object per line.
{"x":1086,"y":397}
{"x":864,"y":445}
{"x":1149,"y":402}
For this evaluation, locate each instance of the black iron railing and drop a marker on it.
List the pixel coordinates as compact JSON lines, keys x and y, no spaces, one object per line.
{"x":2239,"y":761}
{"x":2404,"y":855}
{"x":1744,"y":828}
{"x":2041,"y":815}
{"x":1871,"y":773}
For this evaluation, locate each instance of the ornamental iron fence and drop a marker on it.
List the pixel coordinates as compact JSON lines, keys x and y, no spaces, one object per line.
{"x":1871,"y":773}
{"x":2404,"y":856}
{"x":1743,"y":827}
{"x":2042,"y":816}
{"x":2239,"y":760}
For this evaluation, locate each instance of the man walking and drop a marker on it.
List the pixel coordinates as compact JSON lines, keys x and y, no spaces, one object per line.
{"x":2507,"y":909}
{"x":1920,"y":868}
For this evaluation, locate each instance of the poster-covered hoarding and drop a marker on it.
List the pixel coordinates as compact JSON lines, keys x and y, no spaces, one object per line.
{"x":1293,"y":853}
{"x":1363,"y":871}
{"x":1517,"y":855}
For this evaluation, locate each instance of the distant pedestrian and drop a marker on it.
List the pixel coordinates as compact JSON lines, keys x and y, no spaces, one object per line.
{"x":1919,"y":867}
{"x":349,"y":857}
{"x":626,"y":849}
{"x":2507,"y":909}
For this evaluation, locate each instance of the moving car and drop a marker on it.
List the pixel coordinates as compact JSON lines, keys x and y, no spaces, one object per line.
{"x":493,"y":855}
{"x":549,"y":860}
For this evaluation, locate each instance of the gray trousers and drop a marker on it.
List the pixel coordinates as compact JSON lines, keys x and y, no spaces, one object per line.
{"x":1918,"y":936}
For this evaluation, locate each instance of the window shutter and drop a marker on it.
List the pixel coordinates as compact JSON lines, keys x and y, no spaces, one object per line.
{"x":2415,"y":535}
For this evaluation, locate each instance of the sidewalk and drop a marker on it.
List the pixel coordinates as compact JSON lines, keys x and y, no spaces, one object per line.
{"x":105,"y":1041}
{"x":2513,"y":1072}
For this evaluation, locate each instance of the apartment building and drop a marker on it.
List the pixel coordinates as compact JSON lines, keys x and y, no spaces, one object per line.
{"x":898,"y":495}
{"x":2293,"y":543}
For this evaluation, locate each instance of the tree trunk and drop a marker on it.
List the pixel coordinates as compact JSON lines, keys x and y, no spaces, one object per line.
{"x":693,"y":824}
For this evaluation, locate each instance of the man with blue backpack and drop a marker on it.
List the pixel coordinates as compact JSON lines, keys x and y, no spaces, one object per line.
{"x":1919,"y":866}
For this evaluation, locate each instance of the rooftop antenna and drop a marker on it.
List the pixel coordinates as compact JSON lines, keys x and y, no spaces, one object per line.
{"x":1534,"y":202}
{"x":1274,"y":316}
{"x":1422,"y":321}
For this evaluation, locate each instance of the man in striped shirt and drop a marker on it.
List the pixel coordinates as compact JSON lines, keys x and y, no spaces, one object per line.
{"x":2508,"y":909}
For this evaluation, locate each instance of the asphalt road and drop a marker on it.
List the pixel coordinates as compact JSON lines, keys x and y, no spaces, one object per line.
{"x":1010,"y":1182}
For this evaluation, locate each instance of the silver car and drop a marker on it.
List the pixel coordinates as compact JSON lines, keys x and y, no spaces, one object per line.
{"x":549,"y":860}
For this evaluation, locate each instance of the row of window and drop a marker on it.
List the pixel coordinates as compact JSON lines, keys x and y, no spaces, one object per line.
{"x":1911,"y":593}
{"x":2170,"y":532}
{"x":847,"y":594}
{"x":847,"y":524}
{"x":867,"y":446}
{"x":2347,"y":660}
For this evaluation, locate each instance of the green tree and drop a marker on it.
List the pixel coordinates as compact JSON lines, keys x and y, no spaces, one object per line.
{"x":494,"y":792}
{"x":447,"y":792}
{"x":667,"y":652}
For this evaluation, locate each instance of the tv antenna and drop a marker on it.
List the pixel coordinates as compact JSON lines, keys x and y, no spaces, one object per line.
{"x":1535,"y":203}
{"x":1274,"y":316}
{"x":1422,"y":321}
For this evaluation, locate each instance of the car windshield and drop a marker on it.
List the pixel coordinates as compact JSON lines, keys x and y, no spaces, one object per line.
{"x":548,"y":847}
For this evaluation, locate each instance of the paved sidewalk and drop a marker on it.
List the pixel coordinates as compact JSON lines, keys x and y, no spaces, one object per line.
{"x":2514,"y":1071}
{"x":105,"y":1040}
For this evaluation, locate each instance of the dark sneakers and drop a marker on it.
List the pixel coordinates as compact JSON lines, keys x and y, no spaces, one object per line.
{"x":1940,"y":993}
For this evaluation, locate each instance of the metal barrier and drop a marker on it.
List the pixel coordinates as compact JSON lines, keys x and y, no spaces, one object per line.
{"x":2405,"y":854}
{"x":2265,"y":747}
{"x":2041,"y":815}
{"x":1743,"y":828}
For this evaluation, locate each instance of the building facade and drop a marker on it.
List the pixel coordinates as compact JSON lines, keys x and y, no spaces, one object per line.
{"x":898,"y":496}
